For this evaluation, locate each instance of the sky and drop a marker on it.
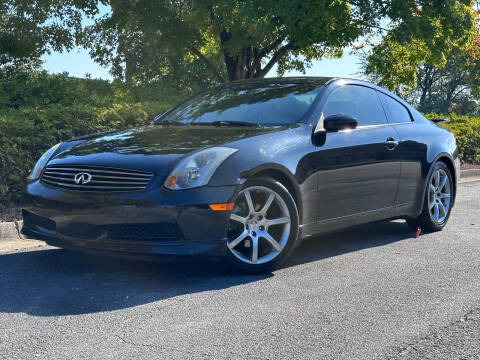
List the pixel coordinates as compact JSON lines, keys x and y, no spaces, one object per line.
{"x":78,"y":63}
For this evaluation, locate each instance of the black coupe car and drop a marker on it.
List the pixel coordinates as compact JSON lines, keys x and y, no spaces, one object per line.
{"x":245,"y":170}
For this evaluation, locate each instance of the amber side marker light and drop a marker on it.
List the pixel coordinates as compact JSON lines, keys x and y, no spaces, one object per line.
{"x":221,"y":207}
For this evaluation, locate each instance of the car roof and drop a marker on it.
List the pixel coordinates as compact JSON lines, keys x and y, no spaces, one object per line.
{"x":281,"y":80}
{"x":317,"y":80}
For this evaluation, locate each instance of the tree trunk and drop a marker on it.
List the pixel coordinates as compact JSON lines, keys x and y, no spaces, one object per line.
{"x":231,"y":62}
{"x":453,"y":85}
{"x":247,"y":63}
{"x":425,"y":85}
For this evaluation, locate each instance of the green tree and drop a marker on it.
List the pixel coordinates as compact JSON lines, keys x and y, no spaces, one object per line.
{"x":444,"y":88}
{"x":454,"y":87}
{"x":28,"y":29}
{"x":238,"y":39}
{"x":448,"y":30}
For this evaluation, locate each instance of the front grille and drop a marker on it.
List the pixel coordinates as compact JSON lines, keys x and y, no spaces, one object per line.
{"x":81,"y":230}
{"x":161,"y":231}
{"x":95,"y":178}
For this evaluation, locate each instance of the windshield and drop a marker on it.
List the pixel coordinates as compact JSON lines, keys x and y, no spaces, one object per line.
{"x":263,"y":104}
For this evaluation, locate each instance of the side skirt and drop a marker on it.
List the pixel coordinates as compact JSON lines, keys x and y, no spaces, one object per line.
{"x":330,"y":225}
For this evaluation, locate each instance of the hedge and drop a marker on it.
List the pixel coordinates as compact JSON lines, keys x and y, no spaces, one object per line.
{"x":467,"y":134}
{"x":26,"y":133}
{"x":38,"y":110}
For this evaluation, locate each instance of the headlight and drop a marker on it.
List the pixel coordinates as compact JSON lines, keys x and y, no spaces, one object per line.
{"x":197,"y":169}
{"x":41,"y":163}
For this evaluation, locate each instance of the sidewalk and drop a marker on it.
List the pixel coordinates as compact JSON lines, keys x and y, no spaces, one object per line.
{"x":8,"y":245}
{"x":12,"y":240}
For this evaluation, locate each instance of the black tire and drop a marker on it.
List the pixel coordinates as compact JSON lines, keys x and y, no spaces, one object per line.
{"x":279,"y":189}
{"x":425,"y":221}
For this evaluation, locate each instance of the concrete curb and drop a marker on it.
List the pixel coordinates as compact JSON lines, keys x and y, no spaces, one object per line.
{"x":12,"y":230}
{"x":470,"y":173}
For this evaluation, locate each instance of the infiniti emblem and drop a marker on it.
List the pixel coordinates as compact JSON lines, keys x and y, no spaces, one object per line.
{"x":82,"y":178}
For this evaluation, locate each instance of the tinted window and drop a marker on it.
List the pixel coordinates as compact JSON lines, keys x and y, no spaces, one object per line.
{"x":359,"y":102}
{"x":397,"y":113}
{"x":258,"y":103}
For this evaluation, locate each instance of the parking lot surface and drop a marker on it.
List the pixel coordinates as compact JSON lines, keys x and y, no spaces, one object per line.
{"x":374,"y":292}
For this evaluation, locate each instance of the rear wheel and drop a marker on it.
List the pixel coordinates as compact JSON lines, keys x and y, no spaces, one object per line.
{"x":263,"y":226}
{"x":438,"y":200}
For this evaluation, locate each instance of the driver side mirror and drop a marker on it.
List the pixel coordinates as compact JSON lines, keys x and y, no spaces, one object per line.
{"x":339,"y":122}
{"x":333,"y":123}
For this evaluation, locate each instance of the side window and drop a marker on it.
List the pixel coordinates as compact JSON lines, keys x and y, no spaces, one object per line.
{"x":397,"y":113}
{"x":359,"y":102}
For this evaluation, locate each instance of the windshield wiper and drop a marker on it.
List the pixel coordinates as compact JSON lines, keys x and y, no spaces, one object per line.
{"x":170,"y":122}
{"x":228,"y":123}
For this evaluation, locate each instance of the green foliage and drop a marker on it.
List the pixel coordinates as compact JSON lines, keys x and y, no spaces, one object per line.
{"x":218,"y":40}
{"x":467,"y":134}
{"x":38,"y":110}
{"x":442,"y":88}
{"x":443,"y":31}
{"x":194,"y":43}
{"x":28,"y":29}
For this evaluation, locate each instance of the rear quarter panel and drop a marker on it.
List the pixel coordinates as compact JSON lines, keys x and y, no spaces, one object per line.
{"x":422,"y":144}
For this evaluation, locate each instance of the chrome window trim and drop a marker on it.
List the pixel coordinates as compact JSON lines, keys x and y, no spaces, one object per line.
{"x":316,"y":124}
{"x":367,"y":127}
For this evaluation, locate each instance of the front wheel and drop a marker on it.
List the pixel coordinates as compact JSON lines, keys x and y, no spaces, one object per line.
{"x":263,"y":226}
{"x":438,"y":200}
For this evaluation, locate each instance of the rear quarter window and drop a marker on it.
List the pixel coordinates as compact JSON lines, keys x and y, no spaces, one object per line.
{"x":396,"y":112}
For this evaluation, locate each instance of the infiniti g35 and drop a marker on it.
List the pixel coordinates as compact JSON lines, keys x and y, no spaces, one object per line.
{"x":245,"y":170}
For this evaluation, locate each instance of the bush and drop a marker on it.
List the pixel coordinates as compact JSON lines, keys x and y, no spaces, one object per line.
{"x":467,"y":134}
{"x":25,"y":133}
{"x":38,"y":110}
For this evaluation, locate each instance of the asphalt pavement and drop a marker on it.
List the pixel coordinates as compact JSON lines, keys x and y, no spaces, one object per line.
{"x":374,"y":292}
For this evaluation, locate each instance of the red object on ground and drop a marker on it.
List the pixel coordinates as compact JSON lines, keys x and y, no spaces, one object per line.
{"x":417,"y":234}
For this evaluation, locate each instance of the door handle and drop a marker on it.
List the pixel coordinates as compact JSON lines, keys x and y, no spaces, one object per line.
{"x":391,"y":143}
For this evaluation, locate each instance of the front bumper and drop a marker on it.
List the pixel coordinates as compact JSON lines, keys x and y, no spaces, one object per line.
{"x":149,"y":223}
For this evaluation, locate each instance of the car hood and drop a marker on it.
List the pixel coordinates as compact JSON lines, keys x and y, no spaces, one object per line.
{"x":152,"y":148}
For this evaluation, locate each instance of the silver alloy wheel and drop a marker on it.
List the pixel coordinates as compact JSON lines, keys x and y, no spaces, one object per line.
{"x":256,"y":243}
{"x":439,"y":196}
